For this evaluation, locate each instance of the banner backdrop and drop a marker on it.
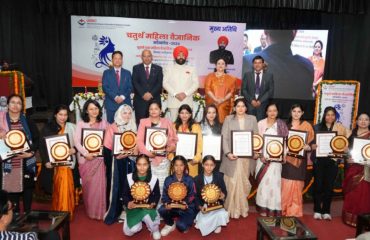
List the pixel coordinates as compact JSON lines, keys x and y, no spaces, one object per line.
{"x":95,"y":38}
{"x":343,"y":96}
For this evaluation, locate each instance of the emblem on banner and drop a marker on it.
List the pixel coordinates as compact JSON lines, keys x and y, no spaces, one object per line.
{"x":103,"y":49}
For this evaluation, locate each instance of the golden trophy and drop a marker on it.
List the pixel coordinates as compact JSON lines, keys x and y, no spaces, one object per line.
{"x":274,"y":150}
{"x":295,"y":145}
{"x":93,"y":143}
{"x":128,"y":142}
{"x":60,"y":153}
{"x":140,"y":192}
{"x":257,"y":144}
{"x":365,"y":151}
{"x":177,"y":192}
{"x":338,"y":144}
{"x":211,"y":194}
{"x":158,"y":141}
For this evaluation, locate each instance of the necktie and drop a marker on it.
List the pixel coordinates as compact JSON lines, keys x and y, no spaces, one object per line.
{"x":147,"y":72}
{"x":258,"y":83}
{"x":117,"y":77}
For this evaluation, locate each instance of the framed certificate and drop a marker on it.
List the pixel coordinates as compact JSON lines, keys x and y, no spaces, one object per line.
{"x":124,"y":143}
{"x":58,"y":150}
{"x":241,"y":143}
{"x":187,"y":145}
{"x":15,"y":142}
{"x":156,"y":140}
{"x":212,"y":146}
{"x":273,"y":147}
{"x":360,"y":150}
{"x":92,"y":140}
{"x":296,"y":141}
{"x":323,"y":140}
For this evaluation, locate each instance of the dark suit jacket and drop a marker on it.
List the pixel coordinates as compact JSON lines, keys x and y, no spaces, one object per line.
{"x":112,"y":90}
{"x":218,"y":179}
{"x":142,"y":85}
{"x":249,"y":87}
{"x":257,"y":49}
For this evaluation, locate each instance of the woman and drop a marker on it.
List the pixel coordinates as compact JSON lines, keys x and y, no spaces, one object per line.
{"x":160,"y":165}
{"x":220,"y":89}
{"x":237,"y":170}
{"x":135,"y":216}
{"x":18,"y":174}
{"x":318,"y":64}
{"x":124,"y":120}
{"x":356,"y":189}
{"x":63,"y":196}
{"x":186,"y":124}
{"x":268,"y":174}
{"x":92,"y":168}
{"x":185,"y":217}
{"x":294,"y":170}
{"x":208,"y":222}
{"x":326,"y":168}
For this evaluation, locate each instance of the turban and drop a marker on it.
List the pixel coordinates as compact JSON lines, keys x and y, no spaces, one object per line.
{"x":223,"y":39}
{"x":179,"y":49}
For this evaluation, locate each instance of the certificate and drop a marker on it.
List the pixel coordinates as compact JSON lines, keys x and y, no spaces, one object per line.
{"x":357,"y":149}
{"x":187,"y":145}
{"x":58,"y":150}
{"x":241,"y":143}
{"x":156,"y":139}
{"x":302,"y":135}
{"x":273,"y":147}
{"x":323,"y":140}
{"x":92,"y":140}
{"x":212,"y":145}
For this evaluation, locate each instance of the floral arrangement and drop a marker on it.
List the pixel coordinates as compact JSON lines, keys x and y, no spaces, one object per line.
{"x":199,"y":99}
{"x":86,"y":96}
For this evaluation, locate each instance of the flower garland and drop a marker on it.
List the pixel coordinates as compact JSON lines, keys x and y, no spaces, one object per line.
{"x":16,"y":85}
{"x":86,"y":96}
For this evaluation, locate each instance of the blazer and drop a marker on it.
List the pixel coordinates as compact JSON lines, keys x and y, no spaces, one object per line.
{"x":218,"y":179}
{"x":248,"y":89}
{"x":111,"y":89}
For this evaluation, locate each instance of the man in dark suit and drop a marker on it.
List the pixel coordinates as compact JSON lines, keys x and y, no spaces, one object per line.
{"x":117,"y":86}
{"x":257,"y":88}
{"x":147,"y":81}
{"x":221,"y":52}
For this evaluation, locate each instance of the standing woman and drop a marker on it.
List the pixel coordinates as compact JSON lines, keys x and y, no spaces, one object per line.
{"x":220,"y":89}
{"x":160,"y":165}
{"x":63,"y":198}
{"x":326,"y":168}
{"x":268,"y":174}
{"x":318,"y":64}
{"x":237,"y":170}
{"x":123,"y":164}
{"x":18,"y":175}
{"x":356,"y":189}
{"x":92,"y":168}
{"x":294,"y":170}
{"x":185,"y":123}
{"x":208,"y":222}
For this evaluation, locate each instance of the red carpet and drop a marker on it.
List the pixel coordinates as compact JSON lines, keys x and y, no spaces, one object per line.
{"x":243,"y":229}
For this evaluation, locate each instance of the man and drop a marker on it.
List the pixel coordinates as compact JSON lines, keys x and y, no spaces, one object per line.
{"x":117,"y":86}
{"x":180,"y":81}
{"x":263,"y":44}
{"x":6,"y":216}
{"x":257,"y":88}
{"x":221,"y":52}
{"x":147,"y":79}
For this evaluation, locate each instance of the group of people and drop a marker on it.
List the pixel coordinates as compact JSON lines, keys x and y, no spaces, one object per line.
{"x":107,"y":180}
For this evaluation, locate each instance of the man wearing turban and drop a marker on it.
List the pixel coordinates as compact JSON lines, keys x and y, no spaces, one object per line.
{"x":180,"y":81}
{"x":221,"y":52}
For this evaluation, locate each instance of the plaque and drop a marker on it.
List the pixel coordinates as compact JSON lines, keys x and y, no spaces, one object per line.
{"x":140,"y":192}
{"x":288,"y":224}
{"x":338,"y":144}
{"x":187,"y":145}
{"x":92,"y":140}
{"x":241,"y":143}
{"x":58,"y":150}
{"x":273,"y":148}
{"x":296,"y":142}
{"x":257,"y":144}
{"x":15,"y":142}
{"x":124,"y":143}
{"x":156,"y":140}
{"x":360,"y":151}
{"x":365,"y":152}
{"x":211,"y":194}
{"x":323,"y":140}
{"x":177,"y":192}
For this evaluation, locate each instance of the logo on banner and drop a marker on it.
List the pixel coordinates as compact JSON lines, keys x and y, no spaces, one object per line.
{"x":81,"y":22}
{"x":339,"y":111}
{"x":103,"y":49}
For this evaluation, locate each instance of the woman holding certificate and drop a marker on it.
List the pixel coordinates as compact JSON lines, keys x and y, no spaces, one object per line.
{"x":63,"y":198}
{"x":17,"y":176}
{"x":186,"y":124}
{"x":325,"y":168}
{"x":91,"y":166}
{"x":268,"y":173}
{"x":356,"y":187}
{"x":237,"y":169}
{"x":294,"y":170}
{"x":122,"y":164}
{"x":160,"y":164}
{"x":141,"y":204}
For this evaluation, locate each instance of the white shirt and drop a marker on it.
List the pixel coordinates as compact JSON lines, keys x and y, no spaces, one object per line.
{"x":149,"y":67}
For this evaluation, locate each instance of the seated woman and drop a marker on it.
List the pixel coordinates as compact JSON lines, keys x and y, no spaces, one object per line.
{"x":185,"y":217}
{"x":212,"y":221}
{"x":135,"y":216}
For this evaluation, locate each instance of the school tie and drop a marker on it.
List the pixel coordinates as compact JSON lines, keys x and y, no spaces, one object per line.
{"x":117,"y":77}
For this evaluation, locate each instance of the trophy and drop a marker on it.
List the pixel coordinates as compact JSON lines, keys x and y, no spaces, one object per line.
{"x":257,"y":144}
{"x":60,"y":153}
{"x":140,"y":192}
{"x":295,"y":146}
{"x":17,"y":142}
{"x":158,"y":141}
{"x":177,"y":192}
{"x":93,"y":143}
{"x":338,"y":144}
{"x":365,"y":151}
{"x":288,"y":224}
{"x":211,"y":194}
{"x":128,"y":141}
{"x":274,"y":150}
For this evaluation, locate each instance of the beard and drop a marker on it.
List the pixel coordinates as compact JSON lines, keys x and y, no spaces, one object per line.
{"x":222,"y":47}
{"x":180,"y":61}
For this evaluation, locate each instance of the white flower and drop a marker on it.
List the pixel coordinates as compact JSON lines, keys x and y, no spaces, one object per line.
{"x":92,"y":98}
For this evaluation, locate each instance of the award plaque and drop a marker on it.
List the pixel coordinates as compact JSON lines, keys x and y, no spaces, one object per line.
{"x":296,"y":142}
{"x":211,"y":195}
{"x":338,"y":144}
{"x":15,"y":142}
{"x":288,"y":224}
{"x":177,"y":192}
{"x":140,"y":192}
{"x":273,"y":148}
{"x":360,"y":151}
{"x":124,"y":143}
{"x":92,"y":140}
{"x":365,"y":152}
{"x":156,"y":140}
{"x":257,"y":144}
{"x":58,"y":150}
{"x":241,"y":143}
{"x":186,"y":145}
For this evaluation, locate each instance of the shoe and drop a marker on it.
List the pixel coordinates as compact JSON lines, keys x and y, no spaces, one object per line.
{"x":326,"y":216}
{"x":167,"y":229}
{"x":317,"y":216}
{"x":156,"y":235}
{"x":218,"y":230}
{"x":122,"y":217}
